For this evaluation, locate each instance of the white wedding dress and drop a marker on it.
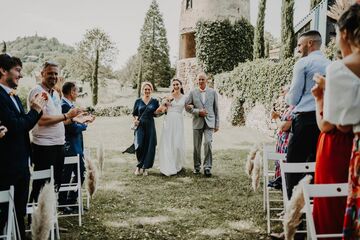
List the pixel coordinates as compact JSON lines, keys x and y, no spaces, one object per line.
{"x":172,"y":143}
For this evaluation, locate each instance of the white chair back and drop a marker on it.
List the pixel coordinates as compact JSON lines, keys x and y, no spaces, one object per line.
{"x":308,"y":167}
{"x":269,"y":154}
{"x":65,"y":187}
{"x":321,"y":190}
{"x":7,"y":196}
{"x":43,"y":174}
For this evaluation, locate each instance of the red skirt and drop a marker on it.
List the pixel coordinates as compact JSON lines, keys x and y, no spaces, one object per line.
{"x":332,"y":166}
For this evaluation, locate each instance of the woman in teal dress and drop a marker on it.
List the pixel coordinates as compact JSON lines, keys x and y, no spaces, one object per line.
{"x":145,"y":109}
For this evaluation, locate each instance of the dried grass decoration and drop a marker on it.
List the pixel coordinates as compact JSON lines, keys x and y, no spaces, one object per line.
{"x":292,"y":217}
{"x":43,"y":218}
{"x":256,"y":173}
{"x":91,"y":177}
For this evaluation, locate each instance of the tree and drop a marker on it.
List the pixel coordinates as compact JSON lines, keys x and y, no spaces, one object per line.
{"x":267,"y":49}
{"x":154,"y":48}
{"x":259,"y":41}
{"x":95,"y":51}
{"x":287,"y":29}
{"x":4,"y":47}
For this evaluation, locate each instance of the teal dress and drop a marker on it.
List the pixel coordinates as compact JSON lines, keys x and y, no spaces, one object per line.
{"x":145,"y":135}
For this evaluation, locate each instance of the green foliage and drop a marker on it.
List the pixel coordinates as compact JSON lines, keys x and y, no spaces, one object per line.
{"x":94,"y":53}
{"x":22,"y":93}
{"x":128,"y":75}
{"x":154,"y":48}
{"x":332,"y":51}
{"x":287,"y":29}
{"x":38,"y":49}
{"x":259,"y":41}
{"x":251,"y":82}
{"x":4,"y":47}
{"x":220,"y":45}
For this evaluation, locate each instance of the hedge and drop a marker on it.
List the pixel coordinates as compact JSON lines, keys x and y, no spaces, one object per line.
{"x":259,"y":81}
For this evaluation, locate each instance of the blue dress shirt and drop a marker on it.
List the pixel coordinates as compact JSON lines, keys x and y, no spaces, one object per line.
{"x":299,"y":94}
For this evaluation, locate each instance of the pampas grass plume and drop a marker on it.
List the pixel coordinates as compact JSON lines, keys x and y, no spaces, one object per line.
{"x":256,"y":172}
{"x":292,"y":217}
{"x":249,"y":166}
{"x":91,"y":176}
{"x":44,"y":213}
{"x":100,"y":156}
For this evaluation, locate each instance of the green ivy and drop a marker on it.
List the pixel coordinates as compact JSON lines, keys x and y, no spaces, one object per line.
{"x":259,"y":81}
{"x":221,"y":45}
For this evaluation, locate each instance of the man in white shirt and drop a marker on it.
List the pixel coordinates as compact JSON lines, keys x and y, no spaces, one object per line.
{"x":48,"y":135}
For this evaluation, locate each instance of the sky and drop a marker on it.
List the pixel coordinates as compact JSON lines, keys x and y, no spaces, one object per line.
{"x":67,"y":20}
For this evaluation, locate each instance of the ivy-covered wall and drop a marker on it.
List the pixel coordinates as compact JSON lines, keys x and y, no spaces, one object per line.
{"x":259,"y":81}
{"x":221,"y":45}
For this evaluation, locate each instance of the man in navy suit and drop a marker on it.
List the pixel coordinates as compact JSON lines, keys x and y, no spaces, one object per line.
{"x":15,"y":145}
{"x":73,"y":143}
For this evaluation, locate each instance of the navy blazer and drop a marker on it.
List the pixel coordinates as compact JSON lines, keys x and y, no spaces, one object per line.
{"x":73,"y":134}
{"x":15,"y":147}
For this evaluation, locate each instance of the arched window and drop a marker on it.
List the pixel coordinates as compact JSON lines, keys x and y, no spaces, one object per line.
{"x":188,"y":4}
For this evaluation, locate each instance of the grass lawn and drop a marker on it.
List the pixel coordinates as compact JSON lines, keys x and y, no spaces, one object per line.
{"x":179,"y":207}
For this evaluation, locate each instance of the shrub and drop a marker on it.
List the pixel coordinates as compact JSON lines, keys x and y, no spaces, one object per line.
{"x":221,"y":45}
{"x":111,"y":111}
{"x":251,"y":82}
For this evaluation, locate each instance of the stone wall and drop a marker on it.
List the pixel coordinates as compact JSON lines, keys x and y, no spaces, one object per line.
{"x":186,"y":71}
{"x":212,"y":10}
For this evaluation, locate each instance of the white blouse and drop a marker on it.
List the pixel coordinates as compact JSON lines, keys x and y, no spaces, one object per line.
{"x":342,"y":96}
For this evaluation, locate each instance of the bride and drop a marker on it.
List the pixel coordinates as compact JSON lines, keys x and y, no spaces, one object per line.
{"x":172,"y":143}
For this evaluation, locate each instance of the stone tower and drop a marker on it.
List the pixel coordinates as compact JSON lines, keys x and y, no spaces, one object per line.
{"x":191,"y":12}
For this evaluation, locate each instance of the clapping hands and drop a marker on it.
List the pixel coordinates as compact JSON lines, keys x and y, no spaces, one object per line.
{"x":84,"y":118}
{"x":38,"y":102}
{"x":318,"y":89}
{"x":3,"y":131}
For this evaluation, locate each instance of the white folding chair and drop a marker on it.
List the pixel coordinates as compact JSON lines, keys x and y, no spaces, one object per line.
{"x":266,"y":172}
{"x":271,"y":156}
{"x":10,"y":229}
{"x":41,"y":175}
{"x":308,"y":167}
{"x":76,"y":187}
{"x":321,"y":190}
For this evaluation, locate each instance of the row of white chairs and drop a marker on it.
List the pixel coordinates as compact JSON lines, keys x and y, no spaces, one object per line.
{"x":48,"y":174}
{"x":310,"y":190}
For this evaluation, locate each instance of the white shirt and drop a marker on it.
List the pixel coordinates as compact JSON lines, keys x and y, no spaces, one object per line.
{"x":342,"y":96}
{"x":48,"y":135}
{"x":203,"y":95}
{"x":8,"y":91}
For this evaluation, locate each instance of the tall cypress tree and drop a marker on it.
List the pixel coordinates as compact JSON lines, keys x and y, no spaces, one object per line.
{"x":4,"y":47}
{"x":259,"y":41}
{"x":287,"y":29}
{"x":154,"y":48}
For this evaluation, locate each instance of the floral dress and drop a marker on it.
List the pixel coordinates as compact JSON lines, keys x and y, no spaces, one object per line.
{"x":283,"y":138}
{"x":352,"y":213}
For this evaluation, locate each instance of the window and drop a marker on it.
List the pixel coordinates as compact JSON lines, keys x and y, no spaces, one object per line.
{"x":188,"y":4}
